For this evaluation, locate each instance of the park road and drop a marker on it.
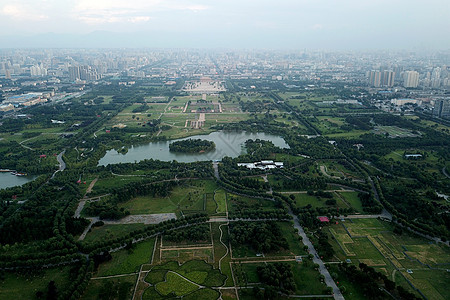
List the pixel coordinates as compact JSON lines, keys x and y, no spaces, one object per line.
{"x":329,"y":281}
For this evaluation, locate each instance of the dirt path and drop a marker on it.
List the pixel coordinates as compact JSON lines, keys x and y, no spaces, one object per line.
{"x":91,"y":186}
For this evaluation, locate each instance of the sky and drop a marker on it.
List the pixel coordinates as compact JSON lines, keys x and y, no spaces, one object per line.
{"x":268,"y":24}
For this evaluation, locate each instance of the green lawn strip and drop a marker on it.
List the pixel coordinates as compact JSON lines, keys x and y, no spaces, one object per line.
{"x":127,"y":261}
{"x":197,"y":271}
{"x":202,"y":294}
{"x":109,"y":232}
{"x":246,"y":273}
{"x":25,"y":286}
{"x":289,"y":232}
{"x":364,"y":249}
{"x":220,"y":250}
{"x":110,"y":288}
{"x":211,"y":205}
{"x":155,"y":276}
{"x":175,"y":284}
{"x":353,"y":200}
{"x":220,"y":197}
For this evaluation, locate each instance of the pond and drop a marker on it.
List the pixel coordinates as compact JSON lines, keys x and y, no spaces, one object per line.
{"x":228,"y":143}
{"x":9,"y":180}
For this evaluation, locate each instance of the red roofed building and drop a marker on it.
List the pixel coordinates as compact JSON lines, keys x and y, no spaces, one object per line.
{"x":324,"y":219}
{"x":42,"y":155}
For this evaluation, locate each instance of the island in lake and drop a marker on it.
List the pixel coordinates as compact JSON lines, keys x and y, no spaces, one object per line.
{"x":192,"y":146}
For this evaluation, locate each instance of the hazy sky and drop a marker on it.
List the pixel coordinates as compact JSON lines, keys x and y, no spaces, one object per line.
{"x":340,"y":24}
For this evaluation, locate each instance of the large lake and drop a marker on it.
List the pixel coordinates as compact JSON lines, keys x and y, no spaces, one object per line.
{"x":9,"y":180}
{"x":227,"y":144}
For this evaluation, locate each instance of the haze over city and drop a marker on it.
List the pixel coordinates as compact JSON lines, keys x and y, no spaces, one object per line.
{"x":286,"y":24}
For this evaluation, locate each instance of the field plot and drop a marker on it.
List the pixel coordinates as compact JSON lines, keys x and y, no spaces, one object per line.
{"x":127,"y":261}
{"x":372,"y":241}
{"x":303,"y":199}
{"x":187,"y":198}
{"x":394,"y":131}
{"x":191,"y":280}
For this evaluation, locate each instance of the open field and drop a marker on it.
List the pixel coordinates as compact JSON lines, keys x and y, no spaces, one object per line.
{"x":187,"y":198}
{"x":25,"y":286}
{"x":235,"y":203}
{"x":109,"y":232}
{"x":110,"y":288}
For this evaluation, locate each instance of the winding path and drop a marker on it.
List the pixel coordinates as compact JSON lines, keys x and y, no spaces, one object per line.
{"x":445,"y":172}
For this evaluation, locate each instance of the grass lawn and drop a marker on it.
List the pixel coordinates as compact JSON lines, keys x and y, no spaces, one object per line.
{"x":25,"y":286}
{"x":127,"y":261}
{"x":221,"y":199}
{"x":149,"y":205}
{"x":111,"y":288}
{"x":303,"y":199}
{"x":290,"y":233}
{"x":108,"y":232}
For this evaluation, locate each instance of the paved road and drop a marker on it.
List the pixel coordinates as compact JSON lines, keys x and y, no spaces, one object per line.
{"x":93,"y":220}
{"x":216,"y":170}
{"x":329,"y":281}
{"x":62,"y":164}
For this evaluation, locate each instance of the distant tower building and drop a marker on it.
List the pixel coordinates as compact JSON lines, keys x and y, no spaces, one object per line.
{"x":375,"y":78}
{"x":7,"y":74}
{"x":74,"y":73}
{"x":436,"y":78}
{"x":442,"y":108}
{"x":411,"y":79}
{"x":398,"y":70}
{"x":387,"y":78}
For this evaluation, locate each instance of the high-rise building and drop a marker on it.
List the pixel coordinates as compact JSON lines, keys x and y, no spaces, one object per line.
{"x":7,"y":74}
{"x":375,"y":78}
{"x":411,"y":79}
{"x":387,"y":78}
{"x":74,"y":73}
{"x":442,"y":108}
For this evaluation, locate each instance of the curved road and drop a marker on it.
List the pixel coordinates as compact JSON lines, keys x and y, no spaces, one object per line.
{"x":62,"y":164}
{"x":445,"y":172}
